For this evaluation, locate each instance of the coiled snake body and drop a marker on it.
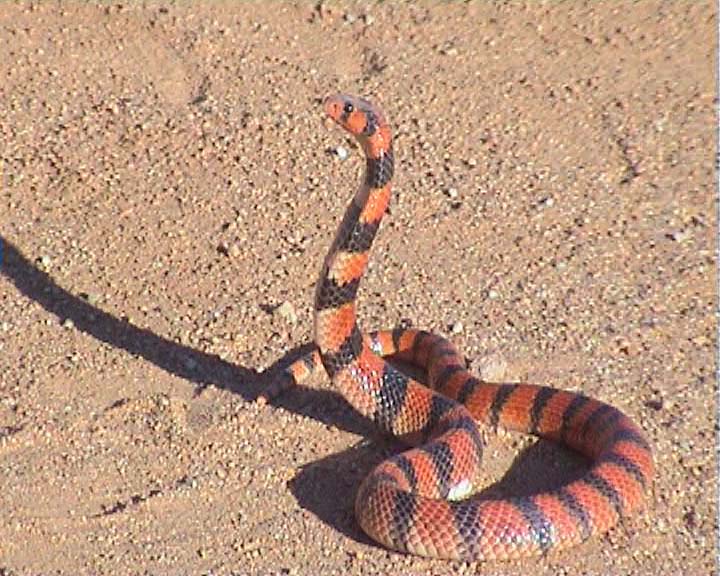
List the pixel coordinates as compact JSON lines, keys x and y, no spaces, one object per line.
{"x":418,"y":501}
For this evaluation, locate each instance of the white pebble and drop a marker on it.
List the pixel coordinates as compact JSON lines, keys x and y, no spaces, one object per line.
{"x":493,"y":368}
{"x":342,"y":152}
{"x":287,"y":312}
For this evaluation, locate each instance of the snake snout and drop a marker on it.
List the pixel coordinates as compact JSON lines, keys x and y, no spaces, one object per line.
{"x":334,"y":105}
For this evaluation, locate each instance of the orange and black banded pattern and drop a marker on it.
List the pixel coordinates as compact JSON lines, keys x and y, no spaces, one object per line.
{"x":420,"y":501}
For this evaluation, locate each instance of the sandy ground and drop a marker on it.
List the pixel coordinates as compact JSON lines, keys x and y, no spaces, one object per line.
{"x":168,"y":197}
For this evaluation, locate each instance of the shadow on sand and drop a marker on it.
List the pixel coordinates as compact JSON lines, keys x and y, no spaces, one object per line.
{"x":534,"y":470}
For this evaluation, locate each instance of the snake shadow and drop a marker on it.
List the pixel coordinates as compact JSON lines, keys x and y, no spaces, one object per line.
{"x":200,"y":368}
{"x":326,"y":487}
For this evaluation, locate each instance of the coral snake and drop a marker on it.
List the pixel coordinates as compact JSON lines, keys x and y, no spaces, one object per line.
{"x":420,"y":501}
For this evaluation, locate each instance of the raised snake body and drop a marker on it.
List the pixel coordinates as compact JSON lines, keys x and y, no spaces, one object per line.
{"x":417,"y":501}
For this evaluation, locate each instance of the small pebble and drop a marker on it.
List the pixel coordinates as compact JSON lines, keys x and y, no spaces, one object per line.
{"x":492,"y":368}
{"x":286,"y":311}
{"x":457,"y":327}
{"x":678,"y":236}
{"x":91,"y":298}
{"x":68,"y":323}
{"x":655,"y":404}
{"x":341,"y":152}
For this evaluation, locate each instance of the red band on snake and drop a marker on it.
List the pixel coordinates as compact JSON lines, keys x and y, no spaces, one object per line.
{"x":420,"y":501}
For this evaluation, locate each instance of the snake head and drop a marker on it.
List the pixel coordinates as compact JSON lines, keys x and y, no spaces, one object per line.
{"x":362,"y":119}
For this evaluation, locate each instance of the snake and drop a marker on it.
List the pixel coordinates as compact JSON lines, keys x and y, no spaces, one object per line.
{"x":423,"y":500}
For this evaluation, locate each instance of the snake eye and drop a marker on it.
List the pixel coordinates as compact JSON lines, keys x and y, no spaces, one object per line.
{"x":348,"y":108}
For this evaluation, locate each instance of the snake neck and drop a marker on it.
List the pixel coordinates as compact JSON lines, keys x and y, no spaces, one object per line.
{"x":337,"y":334}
